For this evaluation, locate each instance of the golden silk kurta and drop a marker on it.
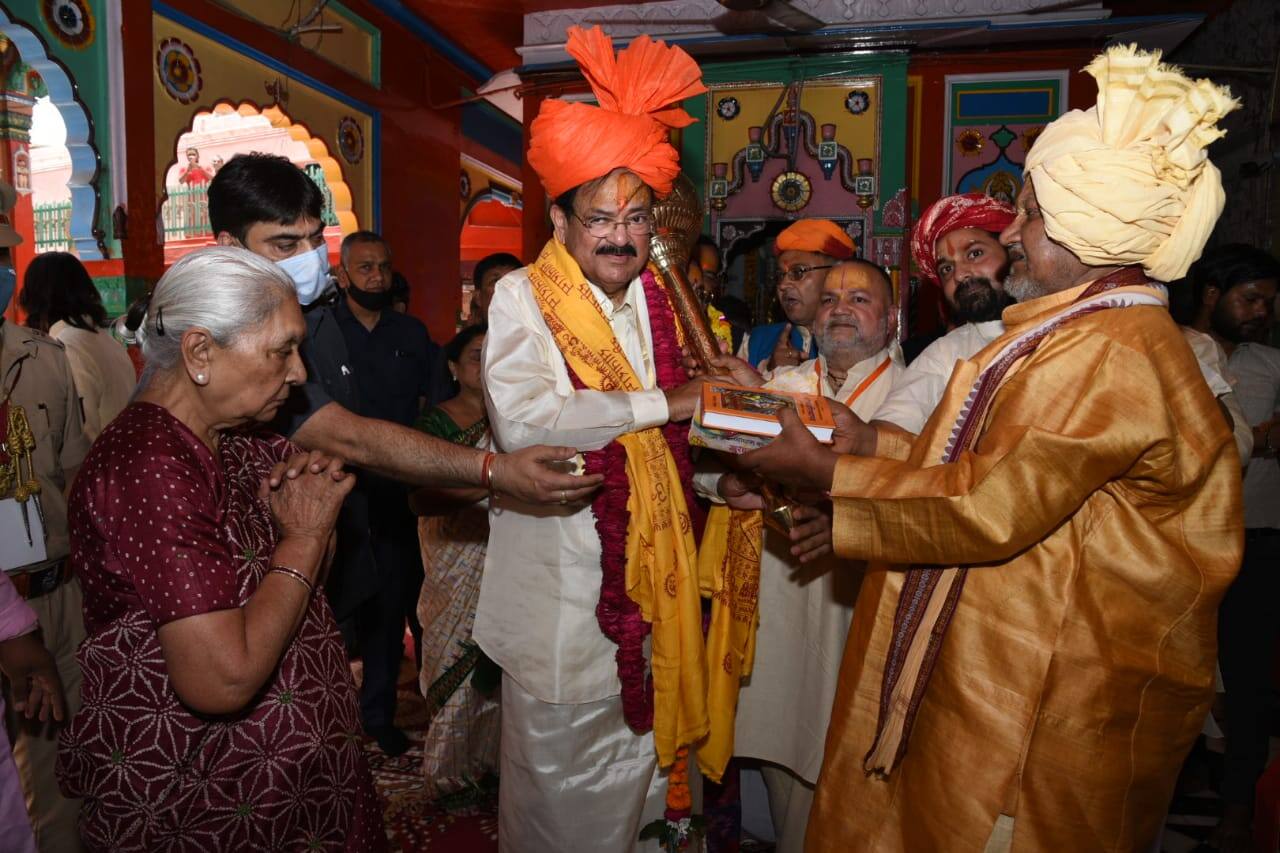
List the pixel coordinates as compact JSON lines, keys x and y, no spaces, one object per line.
{"x":1100,"y":514}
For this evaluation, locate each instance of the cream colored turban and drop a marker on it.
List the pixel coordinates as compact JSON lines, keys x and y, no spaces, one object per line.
{"x":1128,"y":181}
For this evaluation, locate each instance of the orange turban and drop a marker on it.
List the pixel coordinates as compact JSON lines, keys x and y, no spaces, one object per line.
{"x":572,"y":143}
{"x":815,"y":235}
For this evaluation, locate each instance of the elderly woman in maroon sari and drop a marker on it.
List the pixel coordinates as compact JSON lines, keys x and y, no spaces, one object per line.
{"x":219,"y":712}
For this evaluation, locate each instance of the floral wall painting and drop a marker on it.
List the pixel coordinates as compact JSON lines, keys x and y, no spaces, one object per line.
{"x":992,"y":121}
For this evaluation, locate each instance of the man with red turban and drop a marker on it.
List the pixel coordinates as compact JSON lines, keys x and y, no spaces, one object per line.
{"x":805,"y":250}
{"x":955,"y":245}
{"x":593,"y":611}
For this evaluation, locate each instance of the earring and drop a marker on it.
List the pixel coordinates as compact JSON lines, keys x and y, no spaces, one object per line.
{"x":200,"y":380}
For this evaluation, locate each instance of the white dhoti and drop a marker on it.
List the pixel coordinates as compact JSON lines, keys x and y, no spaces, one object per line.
{"x":790,"y":799}
{"x":576,"y":778}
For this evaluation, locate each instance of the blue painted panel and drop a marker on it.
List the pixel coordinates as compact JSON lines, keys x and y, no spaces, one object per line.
{"x":980,"y":105}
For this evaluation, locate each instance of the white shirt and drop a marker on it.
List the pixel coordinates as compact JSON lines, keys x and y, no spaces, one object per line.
{"x":536,"y":617}
{"x":1213,"y":364}
{"x":805,"y":611}
{"x":1257,"y":372}
{"x":920,"y":386}
{"x":102,"y":371}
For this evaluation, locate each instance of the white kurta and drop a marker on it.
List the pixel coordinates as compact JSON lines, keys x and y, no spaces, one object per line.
{"x":784,"y":708}
{"x":1217,"y":373}
{"x":919,"y":387}
{"x":536,"y":617}
{"x":575,"y":777}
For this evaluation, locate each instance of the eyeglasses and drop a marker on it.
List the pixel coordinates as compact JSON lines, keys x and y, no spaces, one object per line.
{"x":638,"y":224}
{"x":798,"y":272}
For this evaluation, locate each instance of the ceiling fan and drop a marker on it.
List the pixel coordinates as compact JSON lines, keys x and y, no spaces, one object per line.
{"x":741,"y":17}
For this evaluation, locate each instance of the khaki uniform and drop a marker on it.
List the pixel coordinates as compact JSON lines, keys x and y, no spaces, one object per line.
{"x":37,"y":370}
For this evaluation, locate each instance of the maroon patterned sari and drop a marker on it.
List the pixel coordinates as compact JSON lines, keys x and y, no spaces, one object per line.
{"x":162,"y":530}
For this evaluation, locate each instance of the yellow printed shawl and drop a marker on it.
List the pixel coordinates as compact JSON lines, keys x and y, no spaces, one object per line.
{"x":660,"y":551}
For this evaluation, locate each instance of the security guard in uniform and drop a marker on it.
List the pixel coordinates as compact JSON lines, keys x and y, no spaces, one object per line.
{"x":35,"y":378}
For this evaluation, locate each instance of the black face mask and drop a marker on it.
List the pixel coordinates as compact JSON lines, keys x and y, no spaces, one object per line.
{"x":370,"y":300}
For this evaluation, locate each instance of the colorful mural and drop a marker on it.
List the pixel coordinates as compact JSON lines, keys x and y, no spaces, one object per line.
{"x":197,"y":73}
{"x":51,"y":48}
{"x":794,"y":150}
{"x":992,"y":120}
{"x":330,"y":30}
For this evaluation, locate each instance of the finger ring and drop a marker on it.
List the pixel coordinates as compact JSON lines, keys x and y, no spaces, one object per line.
{"x":564,"y":497}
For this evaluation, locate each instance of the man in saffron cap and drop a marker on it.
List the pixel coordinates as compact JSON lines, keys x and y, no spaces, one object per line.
{"x":593,"y":610}
{"x":806,"y":249}
{"x":1032,"y":652}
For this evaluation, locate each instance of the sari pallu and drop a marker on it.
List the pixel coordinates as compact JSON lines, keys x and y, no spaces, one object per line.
{"x":457,"y":680}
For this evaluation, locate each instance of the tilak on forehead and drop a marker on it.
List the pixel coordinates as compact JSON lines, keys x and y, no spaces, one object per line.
{"x":626,"y":189}
{"x":856,"y":275}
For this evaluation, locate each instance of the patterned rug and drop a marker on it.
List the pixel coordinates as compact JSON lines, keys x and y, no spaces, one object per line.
{"x":467,"y":823}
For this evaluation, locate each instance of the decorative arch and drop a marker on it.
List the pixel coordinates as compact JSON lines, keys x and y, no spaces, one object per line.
{"x":491,"y":222}
{"x":299,"y":132}
{"x":87,"y":238}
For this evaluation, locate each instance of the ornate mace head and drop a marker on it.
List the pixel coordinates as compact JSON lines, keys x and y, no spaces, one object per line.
{"x":677,"y":222}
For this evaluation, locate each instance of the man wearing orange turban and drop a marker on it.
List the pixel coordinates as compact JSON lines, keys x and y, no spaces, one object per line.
{"x":593,"y":611}
{"x":806,"y":249}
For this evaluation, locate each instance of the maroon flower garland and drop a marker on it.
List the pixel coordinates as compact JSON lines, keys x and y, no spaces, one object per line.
{"x":619,"y":617}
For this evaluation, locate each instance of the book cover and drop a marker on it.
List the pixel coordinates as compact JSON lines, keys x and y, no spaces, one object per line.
{"x":754,"y":411}
{"x":736,"y":443}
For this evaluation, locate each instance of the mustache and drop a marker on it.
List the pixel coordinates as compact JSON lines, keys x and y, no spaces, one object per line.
{"x":626,"y":250}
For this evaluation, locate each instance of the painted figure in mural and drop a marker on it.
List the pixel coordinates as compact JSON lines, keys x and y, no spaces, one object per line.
{"x":582,"y":348}
{"x":1103,"y":664}
{"x":806,"y":597}
{"x":193,"y":174}
{"x":42,"y":444}
{"x":805,"y":250}
{"x":1235,"y":286}
{"x":215,"y":678}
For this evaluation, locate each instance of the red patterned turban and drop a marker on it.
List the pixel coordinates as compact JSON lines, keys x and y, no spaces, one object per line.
{"x":951,"y":213}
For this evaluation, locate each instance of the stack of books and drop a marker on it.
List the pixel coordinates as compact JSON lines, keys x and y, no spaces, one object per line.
{"x":738,"y":418}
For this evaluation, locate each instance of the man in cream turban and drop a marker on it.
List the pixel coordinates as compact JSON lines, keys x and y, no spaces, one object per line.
{"x":1032,"y":651}
{"x":593,"y":611}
